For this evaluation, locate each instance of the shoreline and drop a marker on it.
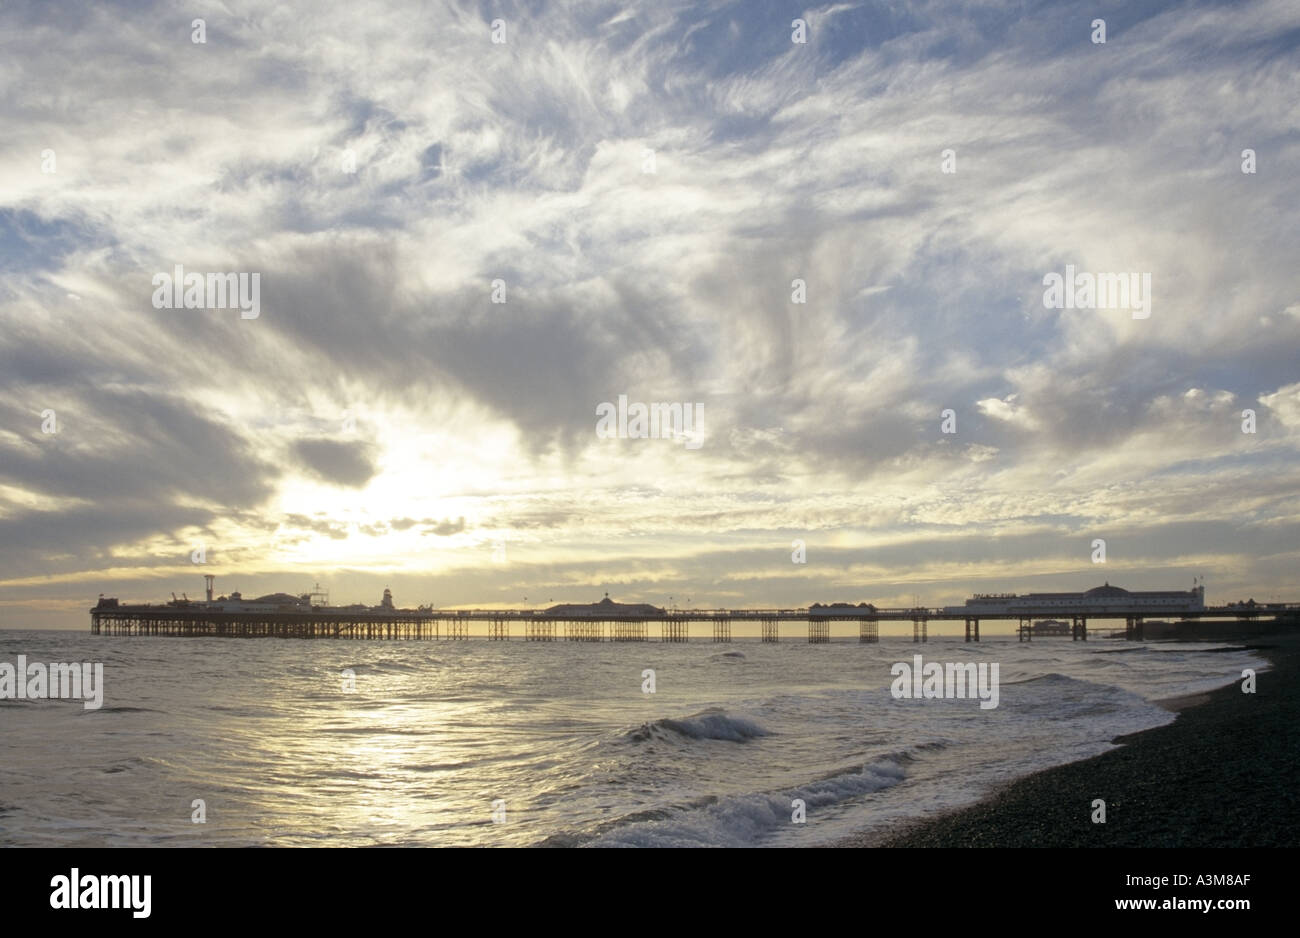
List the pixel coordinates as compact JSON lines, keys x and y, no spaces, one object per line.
{"x":1222,"y":774}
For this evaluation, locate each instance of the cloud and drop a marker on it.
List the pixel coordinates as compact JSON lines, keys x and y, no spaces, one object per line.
{"x":330,"y":529}
{"x":523,"y":163}
{"x":443,"y":528}
{"x":336,"y":461}
{"x":1285,"y":404}
{"x":1006,"y":409}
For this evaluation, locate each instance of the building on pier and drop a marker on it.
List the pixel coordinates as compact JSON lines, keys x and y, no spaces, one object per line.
{"x":1096,"y":601}
{"x":235,"y":602}
{"x":605,"y":609}
{"x":276,"y":603}
{"x":830,"y":609}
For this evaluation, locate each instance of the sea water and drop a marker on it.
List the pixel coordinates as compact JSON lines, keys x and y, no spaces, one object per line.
{"x":238,"y":742}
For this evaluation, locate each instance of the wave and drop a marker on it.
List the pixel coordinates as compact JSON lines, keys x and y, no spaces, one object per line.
{"x":377,"y":731}
{"x":129,"y":764}
{"x":1051,"y":677}
{"x":713,"y":723}
{"x":392,"y":667}
{"x":743,"y":820}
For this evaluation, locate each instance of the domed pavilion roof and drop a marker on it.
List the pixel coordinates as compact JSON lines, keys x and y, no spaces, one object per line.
{"x":1106,"y":590}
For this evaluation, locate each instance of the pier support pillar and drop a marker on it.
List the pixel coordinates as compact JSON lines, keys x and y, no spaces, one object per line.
{"x":499,"y":630}
{"x":677,"y":629}
{"x":972,"y":630}
{"x":868,"y":632}
{"x":920,"y":629}
{"x":630,"y":630}
{"x":722,"y":630}
{"x":585,"y":631}
{"x":770,"y":633}
{"x":1079,"y":629}
{"x":539,"y":630}
{"x":819,"y":631}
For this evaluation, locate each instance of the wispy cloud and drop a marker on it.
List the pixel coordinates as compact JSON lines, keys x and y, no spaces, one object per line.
{"x":381,"y":171}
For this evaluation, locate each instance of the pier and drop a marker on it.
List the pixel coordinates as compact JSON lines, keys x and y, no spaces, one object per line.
{"x":325,"y":622}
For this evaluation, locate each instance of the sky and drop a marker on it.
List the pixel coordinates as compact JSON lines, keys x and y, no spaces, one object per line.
{"x":463,"y":247}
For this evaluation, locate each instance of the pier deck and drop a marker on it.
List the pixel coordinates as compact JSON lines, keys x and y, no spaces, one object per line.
{"x":451,"y":624}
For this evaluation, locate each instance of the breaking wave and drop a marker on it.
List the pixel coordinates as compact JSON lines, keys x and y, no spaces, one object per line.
{"x":708,"y":724}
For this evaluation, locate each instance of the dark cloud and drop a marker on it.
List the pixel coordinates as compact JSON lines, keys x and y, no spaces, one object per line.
{"x":131,"y":444}
{"x":330,"y":529}
{"x":443,"y":528}
{"x":345,"y":463}
{"x":97,"y":536}
{"x":540,"y":361}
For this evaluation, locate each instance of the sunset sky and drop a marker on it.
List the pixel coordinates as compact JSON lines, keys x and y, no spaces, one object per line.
{"x":384,"y":423}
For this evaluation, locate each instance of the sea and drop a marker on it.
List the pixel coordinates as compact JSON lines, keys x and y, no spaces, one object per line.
{"x":283,"y":742}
